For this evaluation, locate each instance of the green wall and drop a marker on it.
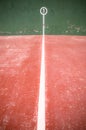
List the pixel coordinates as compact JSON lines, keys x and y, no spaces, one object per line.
{"x":23,"y":17}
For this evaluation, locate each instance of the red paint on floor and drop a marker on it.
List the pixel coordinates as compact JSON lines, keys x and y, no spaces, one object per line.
{"x":20,"y":58}
{"x":65,"y":83}
{"x":19,"y":82}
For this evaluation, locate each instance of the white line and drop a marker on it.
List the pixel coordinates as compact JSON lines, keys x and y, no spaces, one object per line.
{"x":41,"y":102}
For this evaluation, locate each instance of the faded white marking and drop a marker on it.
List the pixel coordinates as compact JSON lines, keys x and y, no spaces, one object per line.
{"x":41,"y":102}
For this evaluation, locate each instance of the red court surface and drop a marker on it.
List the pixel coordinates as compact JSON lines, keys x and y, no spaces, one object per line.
{"x":65,"y":62}
{"x":19,"y":82}
{"x":65,"y":83}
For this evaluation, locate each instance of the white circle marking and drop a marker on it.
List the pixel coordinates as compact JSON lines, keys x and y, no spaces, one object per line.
{"x":43,"y":11}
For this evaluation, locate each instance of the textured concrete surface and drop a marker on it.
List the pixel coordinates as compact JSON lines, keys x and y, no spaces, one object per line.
{"x":19,"y":82}
{"x":20,"y":58}
{"x":65,"y":83}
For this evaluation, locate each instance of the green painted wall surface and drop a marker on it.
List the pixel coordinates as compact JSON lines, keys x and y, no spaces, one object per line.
{"x":66,"y":17}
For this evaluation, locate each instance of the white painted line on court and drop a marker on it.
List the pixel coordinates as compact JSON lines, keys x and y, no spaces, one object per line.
{"x":41,"y":101}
